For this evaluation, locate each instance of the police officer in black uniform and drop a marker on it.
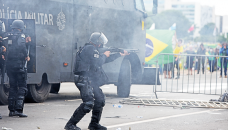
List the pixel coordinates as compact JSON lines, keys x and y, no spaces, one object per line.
{"x":2,"y":48}
{"x":89,"y":76}
{"x":2,"y":44}
{"x":17,"y":55}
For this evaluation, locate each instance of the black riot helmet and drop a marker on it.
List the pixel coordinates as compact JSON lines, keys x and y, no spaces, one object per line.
{"x":19,"y":24}
{"x":98,"y":38}
{"x":2,"y":27}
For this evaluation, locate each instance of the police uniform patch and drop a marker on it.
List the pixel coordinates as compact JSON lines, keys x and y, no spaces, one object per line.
{"x":96,"y":55}
{"x":96,"y":51}
{"x":23,"y":35}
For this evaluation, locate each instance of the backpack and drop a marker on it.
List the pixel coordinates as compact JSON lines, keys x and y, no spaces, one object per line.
{"x":223,"y":98}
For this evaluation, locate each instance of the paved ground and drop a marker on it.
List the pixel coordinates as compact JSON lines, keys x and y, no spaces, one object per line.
{"x":54,"y":113}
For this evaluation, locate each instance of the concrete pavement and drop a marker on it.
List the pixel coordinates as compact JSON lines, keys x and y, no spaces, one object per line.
{"x":55,"y":112}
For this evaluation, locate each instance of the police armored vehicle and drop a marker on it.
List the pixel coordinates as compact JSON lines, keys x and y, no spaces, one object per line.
{"x":59,"y":27}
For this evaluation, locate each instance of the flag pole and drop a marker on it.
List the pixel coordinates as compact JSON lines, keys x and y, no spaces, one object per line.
{"x":215,"y":33}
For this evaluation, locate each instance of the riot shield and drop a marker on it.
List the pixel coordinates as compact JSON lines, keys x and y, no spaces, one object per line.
{"x":29,"y":31}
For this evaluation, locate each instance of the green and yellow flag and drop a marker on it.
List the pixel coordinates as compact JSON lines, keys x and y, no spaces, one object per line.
{"x":157,"y":42}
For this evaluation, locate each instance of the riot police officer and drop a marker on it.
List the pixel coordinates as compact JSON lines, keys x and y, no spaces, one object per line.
{"x":17,"y":55}
{"x":2,"y":44}
{"x":89,"y":76}
{"x":2,"y":49}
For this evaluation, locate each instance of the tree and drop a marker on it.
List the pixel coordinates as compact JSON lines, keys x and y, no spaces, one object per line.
{"x":167,"y":18}
{"x":205,"y":39}
{"x":207,"y":30}
{"x":222,"y":38}
{"x":149,"y":21}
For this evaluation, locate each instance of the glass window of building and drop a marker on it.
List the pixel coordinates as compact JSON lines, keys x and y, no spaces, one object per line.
{"x":190,"y":6}
{"x":174,"y":6}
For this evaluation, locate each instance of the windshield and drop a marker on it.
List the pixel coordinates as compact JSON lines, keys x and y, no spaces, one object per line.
{"x":139,"y":5}
{"x":2,"y":26}
{"x":103,"y":39}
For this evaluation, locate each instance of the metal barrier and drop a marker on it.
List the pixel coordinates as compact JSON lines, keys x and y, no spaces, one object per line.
{"x":207,"y":83}
{"x":183,"y":104}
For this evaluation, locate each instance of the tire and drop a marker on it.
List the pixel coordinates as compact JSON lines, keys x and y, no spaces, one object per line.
{"x":4,"y":93}
{"x":38,"y":93}
{"x":55,"y":88}
{"x":124,"y":81}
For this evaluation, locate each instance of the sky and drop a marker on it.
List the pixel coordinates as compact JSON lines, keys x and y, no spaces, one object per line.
{"x":221,"y":6}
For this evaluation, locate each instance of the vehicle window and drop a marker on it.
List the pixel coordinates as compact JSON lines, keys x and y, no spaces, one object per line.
{"x":139,"y":5}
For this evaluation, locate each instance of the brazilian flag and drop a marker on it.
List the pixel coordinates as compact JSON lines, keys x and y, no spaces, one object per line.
{"x":157,"y":42}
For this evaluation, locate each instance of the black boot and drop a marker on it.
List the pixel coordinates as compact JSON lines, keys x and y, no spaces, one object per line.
{"x":19,"y":105}
{"x":12,"y":113}
{"x":96,"y":117}
{"x":11,"y":107}
{"x":20,"y":114}
{"x":77,"y":116}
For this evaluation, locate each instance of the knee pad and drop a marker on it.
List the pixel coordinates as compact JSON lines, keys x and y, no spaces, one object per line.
{"x":88,"y":106}
{"x":79,"y":85}
{"x":100,"y":103}
{"x":19,"y":104}
{"x":20,"y":98}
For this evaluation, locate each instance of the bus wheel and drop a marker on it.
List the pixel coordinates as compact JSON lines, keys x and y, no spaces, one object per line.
{"x":55,"y":88}
{"x":38,"y":92}
{"x":4,"y":93}
{"x":124,"y":81}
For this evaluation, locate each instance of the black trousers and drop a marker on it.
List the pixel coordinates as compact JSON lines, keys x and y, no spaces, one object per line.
{"x":92,"y":93}
{"x":18,"y":89}
{"x":93,"y":99}
{"x":223,"y":64}
{"x":201,"y":62}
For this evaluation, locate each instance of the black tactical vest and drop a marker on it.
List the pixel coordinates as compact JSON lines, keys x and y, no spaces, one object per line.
{"x":80,"y":66}
{"x":15,"y":57}
{"x":14,"y":52}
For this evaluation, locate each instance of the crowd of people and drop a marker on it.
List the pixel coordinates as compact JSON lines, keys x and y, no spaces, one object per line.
{"x":198,"y":58}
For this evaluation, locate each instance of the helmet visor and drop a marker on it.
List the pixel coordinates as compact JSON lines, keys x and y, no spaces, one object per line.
{"x":103,"y":39}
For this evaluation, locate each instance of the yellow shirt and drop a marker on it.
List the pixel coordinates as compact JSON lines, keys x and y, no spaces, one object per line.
{"x":178,"y":50}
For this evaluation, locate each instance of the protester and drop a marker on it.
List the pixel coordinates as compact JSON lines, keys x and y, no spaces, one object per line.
{"x":177,"y":50}
{"x":223,"y":61}
{"x":196,"y":60}
{"x":189,"y":59}
{"x":211,"y":60}
{"x":216,"y":60}
{"x":168,"y":67}
{"x":201,"y":59}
